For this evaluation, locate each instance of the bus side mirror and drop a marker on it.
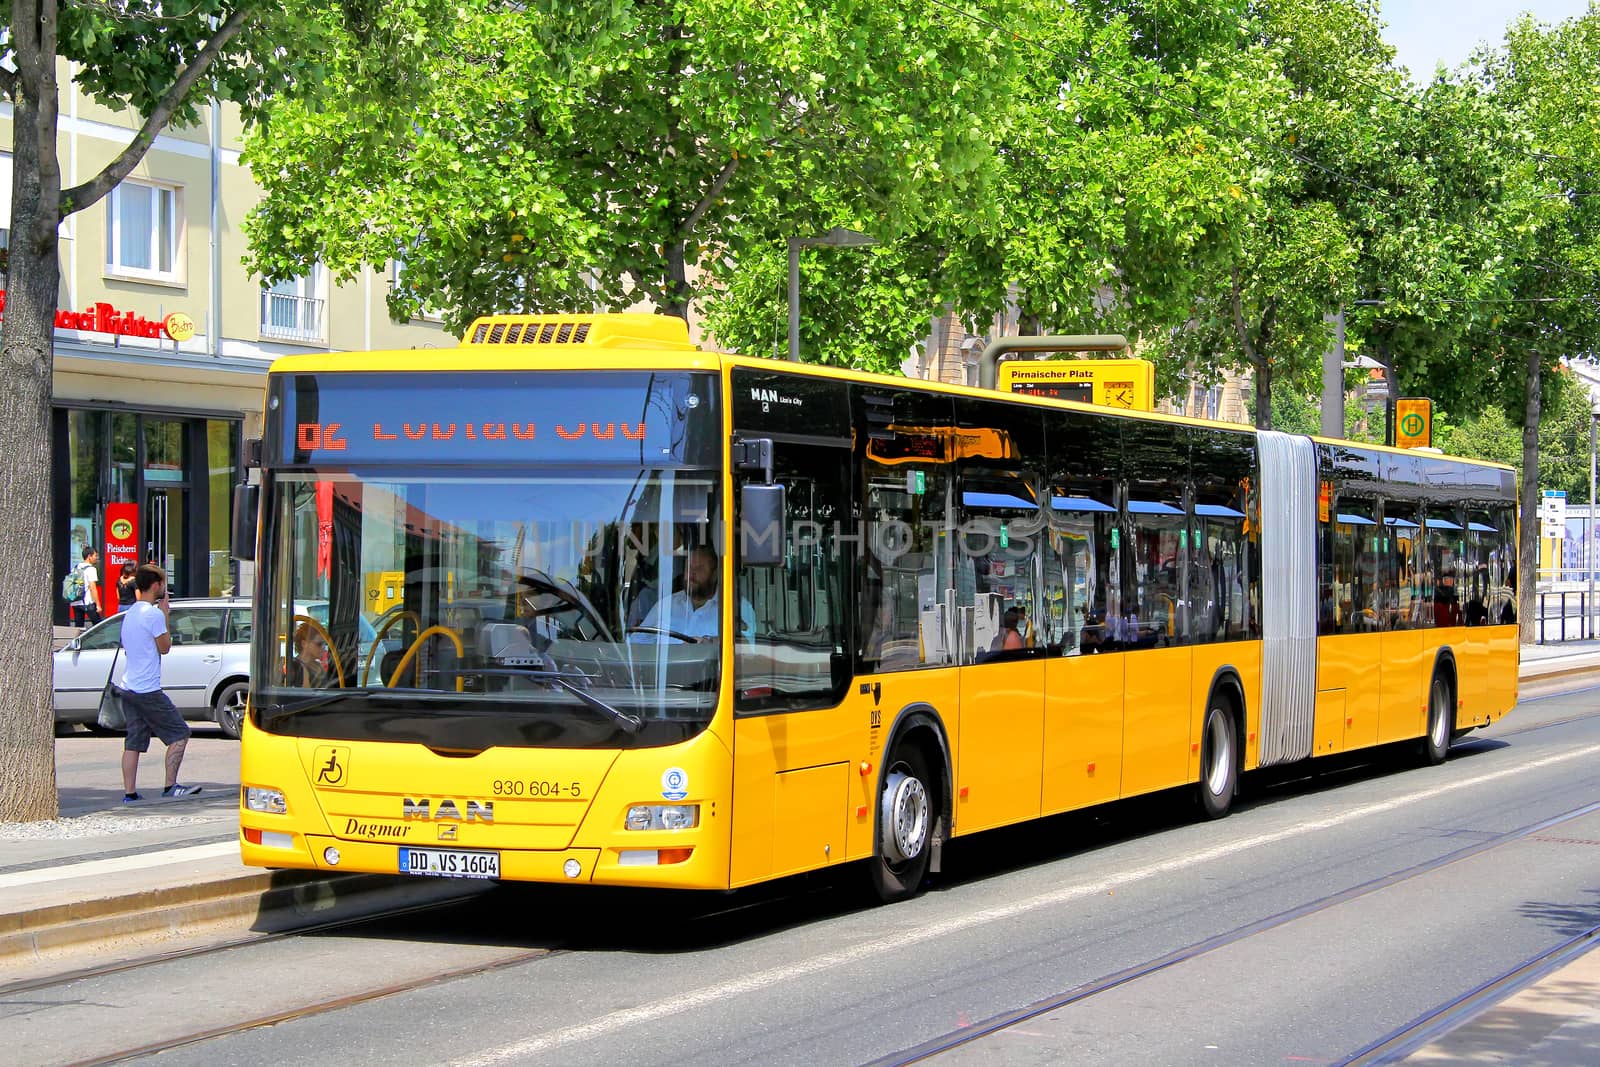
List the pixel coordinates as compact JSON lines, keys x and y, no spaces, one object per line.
{"x":246,"y":512}
{"x":761,"y":535}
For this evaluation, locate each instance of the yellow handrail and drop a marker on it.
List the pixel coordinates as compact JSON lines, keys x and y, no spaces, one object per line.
{"x":405,"y":660}
{"x":377,"y":639}
{"x":327,"y":639}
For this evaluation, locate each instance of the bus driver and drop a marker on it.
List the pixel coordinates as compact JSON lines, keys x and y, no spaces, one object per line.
{"x":695,"y":610}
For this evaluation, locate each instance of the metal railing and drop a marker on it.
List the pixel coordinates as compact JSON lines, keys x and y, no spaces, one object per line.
{"x":1567,"y":615}
{"x":290,"y":316}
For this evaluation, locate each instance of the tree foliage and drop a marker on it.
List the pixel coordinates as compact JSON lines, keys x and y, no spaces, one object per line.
{"x":569,"y":156}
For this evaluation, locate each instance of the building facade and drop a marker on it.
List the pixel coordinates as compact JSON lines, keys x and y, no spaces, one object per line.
{"x":163,"y":340}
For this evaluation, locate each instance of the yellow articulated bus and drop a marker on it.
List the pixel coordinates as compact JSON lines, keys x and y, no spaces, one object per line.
{"x":653,"y":616}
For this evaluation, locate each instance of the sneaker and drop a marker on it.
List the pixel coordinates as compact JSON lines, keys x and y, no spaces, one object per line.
{"x":129,"y":798}
{"x":180,"y":791}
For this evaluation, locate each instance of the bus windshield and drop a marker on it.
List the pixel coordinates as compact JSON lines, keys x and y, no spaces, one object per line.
{"x":505,"y":604}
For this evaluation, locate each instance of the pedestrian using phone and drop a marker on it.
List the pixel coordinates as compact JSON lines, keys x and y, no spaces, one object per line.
{"x":145,"y":640}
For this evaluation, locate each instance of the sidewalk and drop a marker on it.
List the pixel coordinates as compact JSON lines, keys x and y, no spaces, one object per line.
{"x":118,"y":878}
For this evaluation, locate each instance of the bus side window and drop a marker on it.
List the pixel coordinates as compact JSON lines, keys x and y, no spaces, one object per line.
{"x":1082,"y":575}
{"x":1219,"y":545}
{"x":1156,"y":574}
{"x":1407,"y":604}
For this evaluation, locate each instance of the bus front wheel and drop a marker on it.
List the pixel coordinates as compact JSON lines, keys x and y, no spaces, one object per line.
{"x":907,"y":813}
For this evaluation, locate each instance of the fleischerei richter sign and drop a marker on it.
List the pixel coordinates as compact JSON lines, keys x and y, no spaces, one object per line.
{"x":122,"y":535}
{"x":104,"y":318}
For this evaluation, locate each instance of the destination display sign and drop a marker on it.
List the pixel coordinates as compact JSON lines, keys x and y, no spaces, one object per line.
{"x":661,"y":419}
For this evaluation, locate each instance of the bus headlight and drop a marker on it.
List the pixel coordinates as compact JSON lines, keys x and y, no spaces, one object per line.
{"x":663,"y":816}
{"x":268,"y":800}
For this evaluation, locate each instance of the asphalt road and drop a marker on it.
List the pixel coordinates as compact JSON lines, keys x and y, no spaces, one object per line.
{"x":1326,"y":912}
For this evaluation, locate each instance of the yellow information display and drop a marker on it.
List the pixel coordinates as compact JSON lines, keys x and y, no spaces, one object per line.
{"x":1112,"y":383}
{"x":1413,"y":423}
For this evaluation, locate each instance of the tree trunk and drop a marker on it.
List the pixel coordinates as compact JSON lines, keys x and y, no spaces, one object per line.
{"x":27,"y":718}
{"x":676,"y":300}
{"x":1528,"y":524}
{"x":1262,"y":373}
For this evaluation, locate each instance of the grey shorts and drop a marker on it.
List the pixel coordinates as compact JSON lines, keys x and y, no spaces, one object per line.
{"x":152,"y":713}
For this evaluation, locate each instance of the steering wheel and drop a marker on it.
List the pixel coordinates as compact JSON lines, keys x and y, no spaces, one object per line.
{"x":327,"y":639}
{"x":377,"y":639}
{"x":685,"y":638}
{"x":416,"y":646}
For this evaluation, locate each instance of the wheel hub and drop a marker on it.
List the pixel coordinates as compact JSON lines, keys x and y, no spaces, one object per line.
{"x":904,"y":817}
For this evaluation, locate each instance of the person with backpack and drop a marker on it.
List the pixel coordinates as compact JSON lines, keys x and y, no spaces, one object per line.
{"x":82,"y":590}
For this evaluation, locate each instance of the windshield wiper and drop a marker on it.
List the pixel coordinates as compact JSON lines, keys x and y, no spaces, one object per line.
{"x":558,"y":679}
{"x":273,"y":714}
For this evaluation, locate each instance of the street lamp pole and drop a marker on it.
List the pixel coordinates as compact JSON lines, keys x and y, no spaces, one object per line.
{"x":838,"y":237}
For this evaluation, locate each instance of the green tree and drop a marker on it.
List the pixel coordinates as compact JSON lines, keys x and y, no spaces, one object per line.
{"x":1546,"y":82}
{"x":592,"y":155}
{"x":158,"y":63}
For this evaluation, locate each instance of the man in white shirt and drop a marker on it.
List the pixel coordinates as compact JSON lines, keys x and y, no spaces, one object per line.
{"x":695,"y":611}
{"x":148,"y":710}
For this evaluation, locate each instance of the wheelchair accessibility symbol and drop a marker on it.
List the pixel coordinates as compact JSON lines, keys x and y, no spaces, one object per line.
{"x":332,"y":765}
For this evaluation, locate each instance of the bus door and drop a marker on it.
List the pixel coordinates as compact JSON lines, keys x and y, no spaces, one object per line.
{"x":1153,"y":629}
{"x":1084,"y":670}
{"x":1001,"y":523}
{"x":800,"y":727}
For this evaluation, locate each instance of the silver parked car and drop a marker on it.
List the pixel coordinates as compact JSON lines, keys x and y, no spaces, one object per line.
{"x":207,"y":672}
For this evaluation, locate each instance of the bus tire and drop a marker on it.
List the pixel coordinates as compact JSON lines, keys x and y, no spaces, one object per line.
{"x":1435,"y":744}
{"x":908,"y":811}
{"x":1219,"y":760}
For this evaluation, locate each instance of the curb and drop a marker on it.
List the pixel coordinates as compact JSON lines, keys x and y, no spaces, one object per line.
{"x":1560,"y":671}
{"x":264,"y":902}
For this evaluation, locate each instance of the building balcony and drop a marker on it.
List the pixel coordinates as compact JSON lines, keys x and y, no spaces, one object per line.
{"x":291,"y":317}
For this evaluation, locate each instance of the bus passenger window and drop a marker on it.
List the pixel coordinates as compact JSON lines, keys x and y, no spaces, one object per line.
{"x":1482,"y":544}
{"x":1081,"y":588}
{"x":997,"y":596}
{"x":1443,"y":562}
{"x":1354,"y":602}
{"x":1160,"y":539}
{"x":1406,"y":604}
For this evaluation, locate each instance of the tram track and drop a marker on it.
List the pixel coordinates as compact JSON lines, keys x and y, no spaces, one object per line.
{"x":1417,"y":1031}
{"x":1402,"y":1042}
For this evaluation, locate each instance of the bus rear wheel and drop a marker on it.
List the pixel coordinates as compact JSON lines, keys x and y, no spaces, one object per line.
{"x":1219,"y":761}
{"x":907,"y":813}
{"x":1435,"y":745}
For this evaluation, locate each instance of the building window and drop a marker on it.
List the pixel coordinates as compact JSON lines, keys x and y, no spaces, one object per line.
{"x":292,"y":310}
{"x":146,"y":226}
